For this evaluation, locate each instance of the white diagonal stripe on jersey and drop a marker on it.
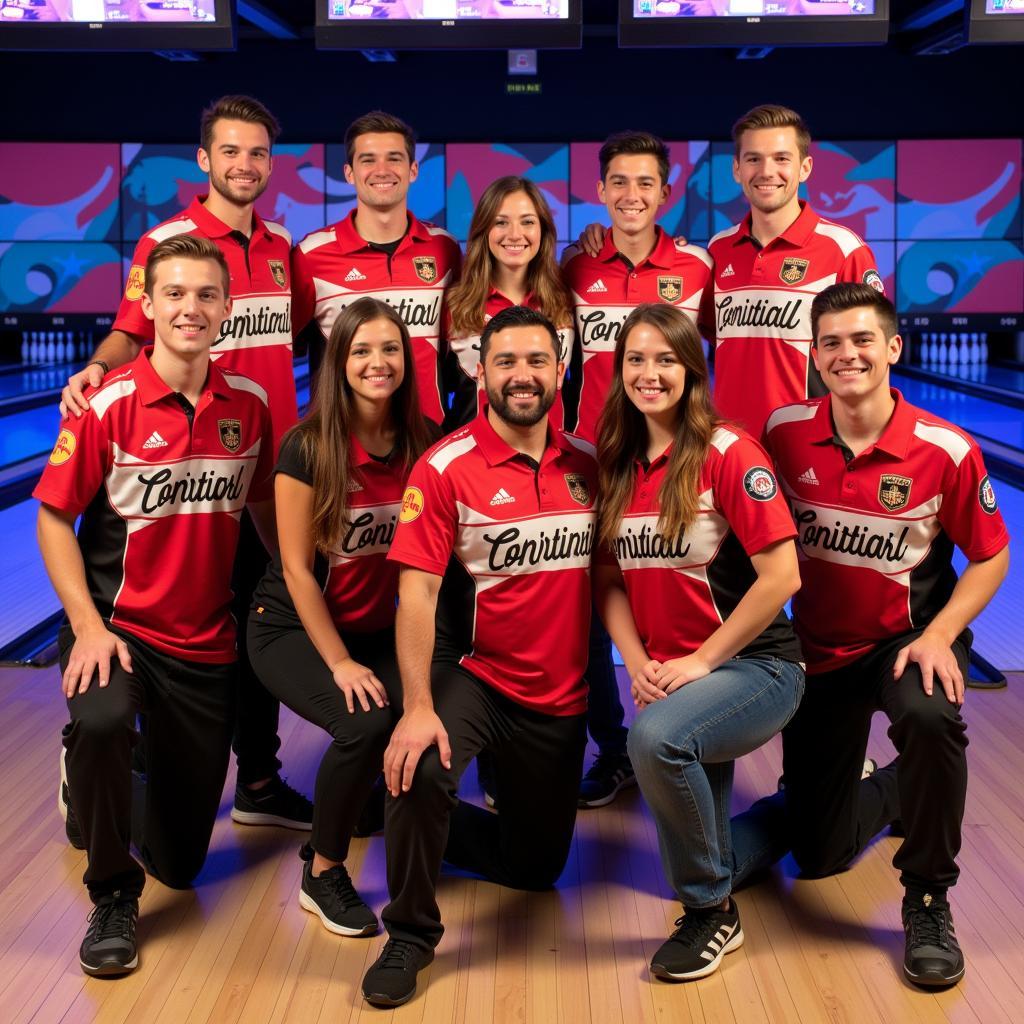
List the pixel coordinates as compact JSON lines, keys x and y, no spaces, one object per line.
{"x":753,"y":312}
{"x":369,"y":532}
{"x":598,"y":327}
{"x":256,"y":321}
{"x":639,"y":545}
{"x":419,"y":308}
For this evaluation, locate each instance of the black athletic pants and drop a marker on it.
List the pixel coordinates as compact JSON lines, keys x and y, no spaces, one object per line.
{"x":255,"y":740}
{"x":538,"y":759}
{"x":188,"y":708}
{"x":830,"y":814}
{"x":291,"y":669}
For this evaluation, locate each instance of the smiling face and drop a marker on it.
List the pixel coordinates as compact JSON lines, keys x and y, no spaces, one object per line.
{"x":852,"y":353}
{"x":375,"y":366}
{"x":769,"y":168}
{"x":238,"y":161}
{"x":187,"y":302}
{"x":521,"y":374}
{"x":514,"y":238}
{"x":381,"y":171}
{"x":632,"y":192}
{"x":653,"y":375}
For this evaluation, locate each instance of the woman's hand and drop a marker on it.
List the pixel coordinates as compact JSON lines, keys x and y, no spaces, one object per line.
{"x":644,"y":683}
{"x":680,"y":671}
{"x":357,"y":681}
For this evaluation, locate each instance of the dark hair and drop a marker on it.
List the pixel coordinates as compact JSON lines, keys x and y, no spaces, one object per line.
{"x":186,"y":247}
{"x":622,"y":430}
{"x":378,"y":121}
{"x":771,"y":115}
{"x":634,"y":142}
{"x":517,"y":316}
{"x":325,"y":432}
{"x":838,"y":298}
{"x":466,"y":299}
{"x":236,"y":108}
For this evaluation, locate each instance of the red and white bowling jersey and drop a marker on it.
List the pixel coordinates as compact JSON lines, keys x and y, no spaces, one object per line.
{"x":358,"y":583}
{"x":333,"y":267}
{"x":606,"y":290}
{"x":759,"y":315}
{"x":469,"y":398}
{"x":514,"y":608}
{"x":256,"y":340}
{"x":875,"y":532}
{"x":702,"y":575}
{"x":160,"y":497}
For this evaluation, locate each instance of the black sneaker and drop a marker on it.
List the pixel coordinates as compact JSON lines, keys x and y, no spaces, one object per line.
{"x":275,"y":804}
{"x":333,"y":898}
{"x":71,"y":829}
{"x":696,"y":948}
{"x":933,"y":958}
{"x":108,"y":948}
{"x":371,"y":818}
{"x":607,"y":775}
{"x":391,"y":978}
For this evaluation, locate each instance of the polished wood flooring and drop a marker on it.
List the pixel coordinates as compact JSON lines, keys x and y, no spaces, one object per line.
{"x":239,"y":948}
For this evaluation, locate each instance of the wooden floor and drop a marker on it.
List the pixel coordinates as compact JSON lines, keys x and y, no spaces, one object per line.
{"x":239,"y":948}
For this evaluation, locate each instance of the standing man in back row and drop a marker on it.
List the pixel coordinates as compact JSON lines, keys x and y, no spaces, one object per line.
{"x":768,"y":269}
{"x":237,"y":134}
{"x":382,"y":250}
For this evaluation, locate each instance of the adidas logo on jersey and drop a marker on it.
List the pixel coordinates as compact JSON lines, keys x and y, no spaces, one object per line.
{"x":502,"y":497}
{"x":728,"y":272}
{"x":354,"y":275}
{"x":808,"y":477}
{"x":598,"y":286}
{"x":155,"y":441}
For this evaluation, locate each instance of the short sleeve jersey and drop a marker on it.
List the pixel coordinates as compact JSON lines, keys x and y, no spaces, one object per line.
{"x":759,"y":311}
{"x":359,"y":584}
{"x":606,"y":289}
{"x":161,"y":493}
{"x":515,"y":539}
{"x":876,"y":531}
{"x":703,"y":574}
{"x":468,"y":397}
{"x":256,"y":339}
{"x":335,"y":266}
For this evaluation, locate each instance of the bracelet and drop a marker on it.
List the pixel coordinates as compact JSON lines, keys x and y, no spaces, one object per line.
{"x":99,"y":362}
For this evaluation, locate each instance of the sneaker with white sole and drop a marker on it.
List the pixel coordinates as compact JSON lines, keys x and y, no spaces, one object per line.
{"x":276,"y":803}
{"x":605,"y":779}
{"x":696,"y":947}
{"x":933,"y":958}
{"x":391,"y":978}
{"x":333,"y":898}
{"x":109,"y":947}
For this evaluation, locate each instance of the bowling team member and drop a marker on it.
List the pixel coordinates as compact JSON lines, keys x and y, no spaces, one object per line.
{"x":691,"y":519}
{"x":881,"y":492}
{"x":237,"y":135}
{"x":381,"y":249}
{"x":159,"y":467}
{"x":321,"y":635}
{"x":637,"y":262}
{"x":494,"y":540}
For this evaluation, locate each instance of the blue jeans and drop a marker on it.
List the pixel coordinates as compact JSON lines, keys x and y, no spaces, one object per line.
{"x":683,"y":750}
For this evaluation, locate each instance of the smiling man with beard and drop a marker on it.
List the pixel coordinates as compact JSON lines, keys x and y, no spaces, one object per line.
{"x":494,"y":539}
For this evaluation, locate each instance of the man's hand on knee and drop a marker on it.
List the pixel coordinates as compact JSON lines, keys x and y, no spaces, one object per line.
{"x":935,"y":659}
{"x":91,"y":653}
{"x":416,"y":730}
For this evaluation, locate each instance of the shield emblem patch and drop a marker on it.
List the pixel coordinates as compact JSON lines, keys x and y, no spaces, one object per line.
{"x":277,"y":272}
{"x":894,"y":491}
{"x":578,"y":489}
{"x":670,"y":288}
{"x":426,"y":268}
{"x":794,"y":269}
{"x":230,"y":434}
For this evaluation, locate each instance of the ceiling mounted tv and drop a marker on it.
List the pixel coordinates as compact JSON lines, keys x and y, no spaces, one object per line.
{"x":670,"y":23}
{"x":116,"y":25}
{"x":448,"y":24}
{"x":995,"y":21}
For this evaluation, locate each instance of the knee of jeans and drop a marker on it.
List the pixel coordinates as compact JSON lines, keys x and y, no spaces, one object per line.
{"x":652,"y":739}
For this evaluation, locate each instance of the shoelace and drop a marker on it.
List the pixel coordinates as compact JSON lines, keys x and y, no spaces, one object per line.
{"x":397,"y":953}
{"x":928,"y":927}
{"x":694,"y":930}
{"x":113,"y":920}
{"x":341,"y":887}
{"x":606,"y":764}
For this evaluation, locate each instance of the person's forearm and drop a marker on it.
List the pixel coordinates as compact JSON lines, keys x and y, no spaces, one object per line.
{"x":63,"y":560}
{"x":313,"y":613}
{"x":613,"y":607}
{"x":116,"y":349}
{"x":975,"y":588}
{"x":414,"y":641}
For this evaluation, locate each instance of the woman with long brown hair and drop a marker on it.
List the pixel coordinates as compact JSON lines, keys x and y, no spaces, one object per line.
{"x":321,"y":633}
{"x":696,"y":562}
{"x":510,"y":261}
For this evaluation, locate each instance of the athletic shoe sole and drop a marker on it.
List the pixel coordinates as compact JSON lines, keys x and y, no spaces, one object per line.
{"x":259,"y":818}
{"x":932,"y":980}
{"x":702,"y":972}
{"x":110,"y":970}
{"x":605,"y":800}
{"x":308,"y":903}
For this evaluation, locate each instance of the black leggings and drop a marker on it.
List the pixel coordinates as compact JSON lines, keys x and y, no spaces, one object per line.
{"x":291,"y":669}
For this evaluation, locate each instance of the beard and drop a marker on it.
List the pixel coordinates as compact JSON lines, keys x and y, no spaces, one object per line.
{"x":224,"y":188}
{"x":528,"y":417}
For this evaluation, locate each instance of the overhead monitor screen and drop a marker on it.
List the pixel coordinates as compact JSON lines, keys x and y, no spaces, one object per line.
{"x":447,"y":10}
{"x":111,"y":11}
{"x":755,"y":8}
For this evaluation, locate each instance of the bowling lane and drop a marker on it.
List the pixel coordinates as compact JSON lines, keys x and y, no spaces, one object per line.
{"x":28,"y":433}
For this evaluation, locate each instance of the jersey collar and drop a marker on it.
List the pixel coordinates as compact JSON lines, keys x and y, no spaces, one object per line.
{"x":661,"y":255}
{"x":151,"y":387}
{"x":349,"y":240}
{"x":896,"y":437}
{"x":496,"y":451}
{"x":797,"y":234}
{"x":214,"y":227}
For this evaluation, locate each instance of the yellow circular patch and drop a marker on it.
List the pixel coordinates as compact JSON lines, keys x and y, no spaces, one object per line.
{"x":64,"y":448}
{"x":136,"y":284}
{"x":412,"y":505}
